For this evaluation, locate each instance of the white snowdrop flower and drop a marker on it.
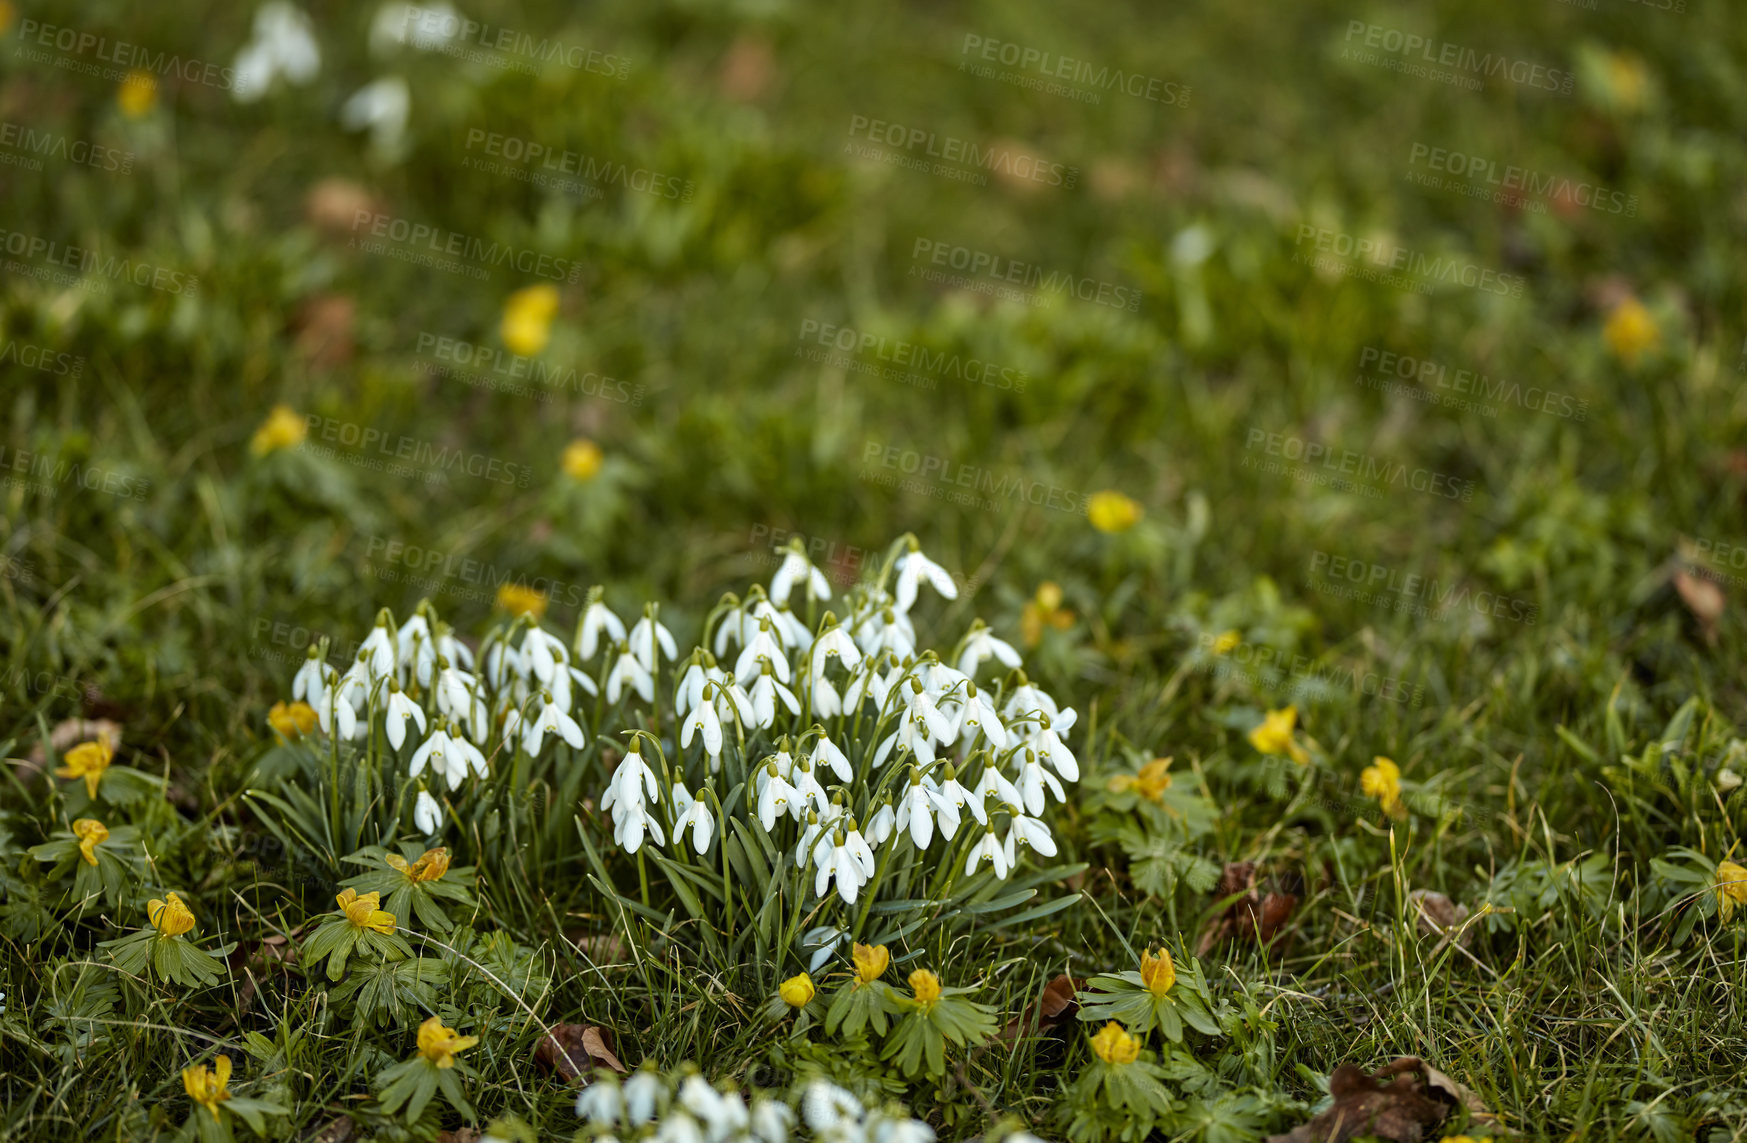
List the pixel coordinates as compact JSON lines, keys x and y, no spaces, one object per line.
{"x":551,"y":719}
{"x":825,"y":1106}
{"x":582,"y":681}
{"x":377,"y":651}
{"x":427,"y":813}
{"x":597,"y":617}
{"x":452,"y":648}
{"x":834,"y":643}
{"x":980,"y":644}
{"x":470,"y":754}
{"x":694,"y":814}
{"x":426,"y":26}
{"x":1049,"y":746}
{"x":916,"y":811}
{"x":646,"y":634}
{"x":797,"y":569}
{"x":1032,"y":779}
{"x":994,"y":784}
{"x":690,"y":691}
{"x":771,"y":1120}
{"x":913,"y":568}
{"x":544,"y":654}
{"x":722,"y":1114}
{"x":414,"y":639}
{"x":795,"y":633}
{"x":887,"y":630}
{"x":807,"y":786}
{"x":333,"y":707}
{"x":640,"y":1092}
{"x":401,"y":710}
{"x":809,"y":835}
{"x":458,"y":697}
{"x":927,"y":715}
{"x":826,"y":753}
{"x":826,"y":701}
{"x":1026,"y":702}
{"x":882,"y":825}
{"x":503,"y":664}
{"x":736,"y":627}
{"x":631,"y":782}
{"x":630,"y":669}
{"x":630,"y":824}
{"x":356,"y":685}
{"x":959,"y":798}
{"x":705,"y":723}
{"x":978,"y":715}
{"x":760,"y":649}
{"x":311,"y":679}
{"x":764,"y":694}
{"x":850,"y":862}
{"x":886,"y":1130}
{"x":991,"y":851}
{"x":440,"y":752}
{"x":283,"y":45}
{"x":1027,"y":832}
{"x":777,"y":797}
{"x":678,"y":1127}
{"x":600,"y":1103}
{"x":732,"y":700}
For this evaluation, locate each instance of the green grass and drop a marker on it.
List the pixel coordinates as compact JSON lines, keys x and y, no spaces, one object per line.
{"x":1566,"y":722}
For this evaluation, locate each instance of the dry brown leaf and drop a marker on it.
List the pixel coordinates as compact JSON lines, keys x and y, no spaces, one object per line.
{"x":747,"y":69}
{"x":1056,"y":1005}
{"x":1440,"y":916}
{"x":324,"y":330}
{"x":1251,"y":916}
{"x":70,"y":732}
{"x":1703,"y":599}
{"x":1401,"y":1102}
{"x":334,"y":204}
{"x":339,"y":1130}
{"x":573,"y":1049}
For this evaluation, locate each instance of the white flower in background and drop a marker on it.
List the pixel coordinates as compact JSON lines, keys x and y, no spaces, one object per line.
{"x":705,"y":723}
{"x":764,"y":694}
{"x":678,"y":1127}
{"x":807,"y":786}
{"x":881,"y":826}
{"x":452,"y":648}
{"x":600,"y":1104}
{"x":597,"y":618}
{"x":311,"y":679}
{"x":978,"y":715}
{"x":551,"y":720}
{"x":772,"y":1121}
{"x":834,"y":643}
{"x":644,"y":636}
{"x":458,"y":697}
{"x":777,"y":797}
{"x":401,"y":710}
{"x":886,"y":630}
{"x":502,"y":665}
{"x":760,"y":649}
{"x":1027,"y":701}
{"x":991,"y":851}
{"x":722,"y":1115}
{"x":426,"y":26}
{"x":543,"y":654}
{"x":1049,"y":746}
{"x":916,"y":811}
{"x":1032,"y":779}
{"x":333,"y":707}
{"x":955,"y":795}
{"x":625,"y":795}
{"x":630,"y":669}
{"x":994,"y":784}
{"x":826,"y":753}
{"x":981,"y":644}
{"x":693,"y":814}
{"x":414,"y":633}
{"x":827,"y":1107}
{"x":913,"y":569}
{"x":823,"y":940}
{"x":377,"y":651}
{"x":690,"y":691}
{"x":444,"y":756}
{"x":427,"y":813}
{"x":1029,"y":832}
{"x":798,"y":569}
{"x":640,"y":1092}
{"x":850,"y":861}
{"x":283,"y":45}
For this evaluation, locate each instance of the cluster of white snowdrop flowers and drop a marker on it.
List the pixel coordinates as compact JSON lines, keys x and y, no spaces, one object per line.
{"x":283,"y":46}
{"x":670,"y":1109}
{"x":841,"y":737}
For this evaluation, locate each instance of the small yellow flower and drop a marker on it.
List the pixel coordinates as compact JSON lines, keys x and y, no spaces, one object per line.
{"x":283,"y":428}
{"x":926,"y":986}
{"x":170,"y":917}
{"x":796,"y":991}
{"x":207,"y":1086}
{"x":430,"y":866}
{"x":8,"y":13}
{"x":1115,"y":1046}
{"x":1382,"y":780}
{"x":1111,"y":511}
{"x":527,"y":319}
{"x":441,"y":1045}
{"x":292,"y":720}
{"x":1157,"y":972}
{"x":582,"y":459}
{"x":138,"y":94}
{"x":1730,"y":886}
{"x":91,"y":834}
{"x":88,"y":760}
{"x":870,"y":963}
{"x":1630,"y":331}
{"x":1150,"y":783}
{"x":1227,"y":642}
{"x":1274,"y":735}
{"x":519,"y":600}
{"x":1044,"y":610}
{"x":1627,"y":80}
{"x":363,"y":911}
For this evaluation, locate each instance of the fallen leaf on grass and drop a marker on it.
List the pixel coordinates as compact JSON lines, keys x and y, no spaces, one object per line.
{"x":1703,"y":599}
{"x":338,"y":1130}
{"x":572,"y":1049}
{"x":1251,"y":916}
{"x":1440,"y":916}
{"x":1400,"y":1102}
{"x":1056,"y":1005}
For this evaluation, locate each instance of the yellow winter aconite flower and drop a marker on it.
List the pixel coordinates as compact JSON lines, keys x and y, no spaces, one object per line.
{"x":1157,"y":972}
{"x":87,"y":760}
{"x":1115,"y":1046}
{"x":1227,"y":642}
{"x":441,"y":1045}
{"x":1274,"y":735}
{"x":430,"y":866}
{"x":138,"y":94}
{"x":1730,"y":886}
{"x":283,"y":428}
{"x":519,"y":600}
{"x":170,"y":917}
{"x":796,"y":991}
{"x":364,"y":913}
{"x":1150,"y":782}
{"x":1627,"y":80}
{"x":1044,"y":610}
{"x":527,"y":319}
{"x":1630,"y":331}
{"x":1382,"y":780}
{"x":291,"y":720}
{"x":1111,"y":511}
{"x":582,"y":459}
{"x":91,"y":834}
{"x":870,"y":962}
{"x":207,"y":1086}
{"x":926,"y":986}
